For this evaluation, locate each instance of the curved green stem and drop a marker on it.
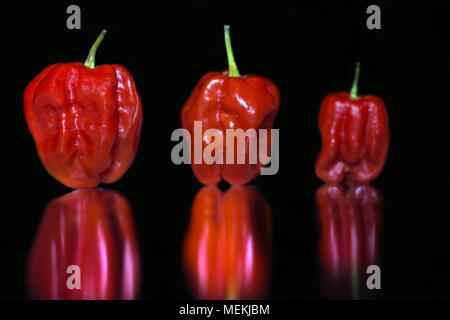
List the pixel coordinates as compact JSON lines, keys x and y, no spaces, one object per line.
{"x":232,"y":67}
{"x":90,"y":60}
{"x":354,"y":91}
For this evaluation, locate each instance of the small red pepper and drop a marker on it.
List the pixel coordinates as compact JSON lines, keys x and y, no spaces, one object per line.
{"x":355,"y":136}
{"x":85,"y":120}
{"x":227,"y":100}
{"x":92,"y":230}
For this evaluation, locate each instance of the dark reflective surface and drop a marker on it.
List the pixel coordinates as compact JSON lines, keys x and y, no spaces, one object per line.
{"x":227,"y":249}
{"x":350,"y":228}
{"x":90,"y":229}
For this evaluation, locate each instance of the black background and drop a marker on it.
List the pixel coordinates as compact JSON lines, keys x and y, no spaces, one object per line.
{"x":308,"y":49}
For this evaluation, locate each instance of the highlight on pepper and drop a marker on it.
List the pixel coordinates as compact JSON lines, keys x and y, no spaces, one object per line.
{"x":85,"y":120}
{"x":230,"y":117}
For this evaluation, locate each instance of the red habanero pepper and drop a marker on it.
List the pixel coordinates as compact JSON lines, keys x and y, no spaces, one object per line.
{"x":85,"y":120}
{"x":355,"y":136}
{"x":228,"y":100}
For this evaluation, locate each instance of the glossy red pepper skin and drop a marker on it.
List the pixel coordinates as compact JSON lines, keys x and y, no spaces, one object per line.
{"x":94,"y":230}
{"x":227,"y":248}
{"x":355,"y":138}
{"x":86,"y":122}
{"x":223,"y":102}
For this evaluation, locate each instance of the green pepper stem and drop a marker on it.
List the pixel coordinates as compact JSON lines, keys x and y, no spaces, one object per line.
{"x":232,"y":67}
{"x":90,"y":60}
{"x":354,"y":90}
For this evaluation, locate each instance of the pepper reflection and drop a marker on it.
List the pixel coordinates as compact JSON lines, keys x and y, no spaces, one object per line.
{"x":351,"y":220}
{"x":94,"y":230}
{"x":228,"y":245}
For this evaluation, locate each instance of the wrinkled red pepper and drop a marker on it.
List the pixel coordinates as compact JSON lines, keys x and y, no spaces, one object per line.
{"x":85,"y":120}
{"x":94,"y":230}
{"x":228,"y":100}
{"x":351,"y":220}
{"x":355,"y":136}
{"x":227,"y":248}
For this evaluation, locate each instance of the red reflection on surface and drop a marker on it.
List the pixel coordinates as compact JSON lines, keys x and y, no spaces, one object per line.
{"x":227,"y":248}
{"x":94,"y":230}
{"x":350,"y":221}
